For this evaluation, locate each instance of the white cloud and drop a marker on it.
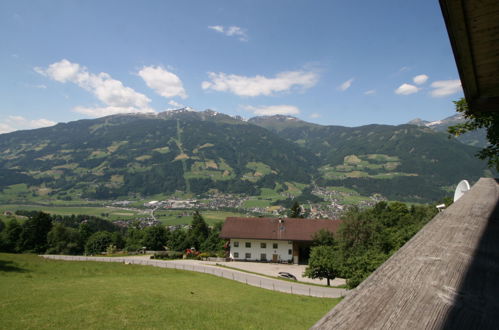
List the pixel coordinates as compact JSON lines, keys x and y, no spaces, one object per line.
{"x":407,"y":89}
{"x":231,"y":31}
{"x":346,"y":85}
{"x":116,"y":97}
{"x":420,"y":79}
{"x":315,"y":115}
{"x":370,"y":92}
{"x":273,"y":110}
{"x":4,"y":128}
{"x":218,"y":28}
{"x":163,"y":82}
{"x":259,"y":85}
{"x":175,"y":104}
{"x":404,"y":69}
{"x":445,"y":87}
{"x":13,"y":123}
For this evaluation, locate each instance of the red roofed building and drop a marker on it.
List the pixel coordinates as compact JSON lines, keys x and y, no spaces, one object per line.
{"x":273,"y":239}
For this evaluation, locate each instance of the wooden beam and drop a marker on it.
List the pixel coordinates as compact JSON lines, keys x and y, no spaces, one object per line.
{"x":445,"y":277}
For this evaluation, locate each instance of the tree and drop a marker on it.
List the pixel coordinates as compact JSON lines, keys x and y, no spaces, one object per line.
{"x":63,"y":240}
{"x":178,"y":240}
{"x":155,"y":238}
{"x":134,"y":239}
{"x":9,"y":237}
{"x":98,"y":242}
{"x":34,"y":235}
{"x":199,"y":231}
{"x":474,"y":120}
{"x":323,"y":263}
{"x":296,"y":211}
{"x":323,"y":237}
{"x":214,"y":243}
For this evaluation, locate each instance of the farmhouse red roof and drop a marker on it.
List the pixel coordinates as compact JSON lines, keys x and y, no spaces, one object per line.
{"x":286,"y":229}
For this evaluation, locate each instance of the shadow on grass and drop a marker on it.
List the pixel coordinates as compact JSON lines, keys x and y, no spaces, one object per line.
{"x":9,"y":266}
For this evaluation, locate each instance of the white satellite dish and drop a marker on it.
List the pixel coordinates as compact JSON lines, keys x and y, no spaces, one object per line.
{"x":461,"y":188}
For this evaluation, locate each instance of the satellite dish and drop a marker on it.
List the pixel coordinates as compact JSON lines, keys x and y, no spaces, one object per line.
{"x":461,"y":188}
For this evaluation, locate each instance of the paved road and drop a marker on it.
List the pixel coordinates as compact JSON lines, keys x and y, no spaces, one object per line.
{"x":250,"y":279}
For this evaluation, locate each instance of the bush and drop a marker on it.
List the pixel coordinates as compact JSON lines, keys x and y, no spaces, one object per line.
{"x":167,"y":255}
{"x":98,"y":242}
{"x":204,"y":255}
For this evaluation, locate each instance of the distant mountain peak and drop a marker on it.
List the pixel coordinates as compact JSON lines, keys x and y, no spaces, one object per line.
{"x":418,"y":122}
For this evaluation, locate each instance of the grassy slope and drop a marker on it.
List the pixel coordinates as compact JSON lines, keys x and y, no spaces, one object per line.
{"x":37,"y":293}
{"x":114,"y":213}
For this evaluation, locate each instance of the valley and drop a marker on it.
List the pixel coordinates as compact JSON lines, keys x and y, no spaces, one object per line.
{"x":221,"y":165}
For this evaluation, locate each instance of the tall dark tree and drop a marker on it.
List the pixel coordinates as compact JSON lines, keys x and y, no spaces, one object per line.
{"x":155,"y":238}
{"x":63,"y":240}
{"x":214,"y":243}
{"x":10,"y":236}
{"x":199,"y":231}
{"x":296,"y":211}
{"x":34,"y":235}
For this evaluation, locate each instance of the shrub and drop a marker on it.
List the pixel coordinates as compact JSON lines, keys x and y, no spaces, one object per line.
{"x":167,"y":255}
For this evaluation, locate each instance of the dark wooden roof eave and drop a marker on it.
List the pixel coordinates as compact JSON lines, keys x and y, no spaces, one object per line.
{"x":473,"y":29}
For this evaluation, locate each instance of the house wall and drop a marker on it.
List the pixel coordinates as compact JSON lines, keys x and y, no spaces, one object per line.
{"x":283,"y":249}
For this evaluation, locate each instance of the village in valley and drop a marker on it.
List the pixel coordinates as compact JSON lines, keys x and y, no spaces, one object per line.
{"x":150,"y":213}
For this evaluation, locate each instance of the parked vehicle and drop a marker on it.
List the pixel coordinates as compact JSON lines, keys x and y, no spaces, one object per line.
{"x":287,"y":275}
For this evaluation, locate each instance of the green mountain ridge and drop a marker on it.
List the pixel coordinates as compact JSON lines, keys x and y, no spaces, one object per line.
{"x":195,"y":152}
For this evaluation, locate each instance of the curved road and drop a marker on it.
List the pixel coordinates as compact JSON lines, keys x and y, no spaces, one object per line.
{"x":250,"y":279}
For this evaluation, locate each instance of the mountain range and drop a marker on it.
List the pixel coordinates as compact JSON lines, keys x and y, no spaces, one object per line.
{"x":476,"y":138}
{"x":199,"y":152}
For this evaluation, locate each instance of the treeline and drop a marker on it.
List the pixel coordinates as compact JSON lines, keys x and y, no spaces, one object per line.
{"x":54,"y":234}
{"x":366,"y":239}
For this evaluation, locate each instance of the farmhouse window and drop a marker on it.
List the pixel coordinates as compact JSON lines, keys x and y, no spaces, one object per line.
{"x":290,"y":251}
{"x":248,"y":244}
{"x":263,"y":257}
{"x":263,"y":245}
{"x":236,"y":254}
{"x":275,"y":245}
{"x":247,"y":255}
{"x":236,"y":244}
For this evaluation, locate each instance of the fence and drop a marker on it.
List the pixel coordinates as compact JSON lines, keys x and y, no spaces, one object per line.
{"x":249,"y":279}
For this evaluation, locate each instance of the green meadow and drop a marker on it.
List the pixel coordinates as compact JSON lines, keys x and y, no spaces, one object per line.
{"x":45,"y":294}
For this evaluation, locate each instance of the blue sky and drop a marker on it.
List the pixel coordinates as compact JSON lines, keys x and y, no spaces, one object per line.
{"x":331,"y":62}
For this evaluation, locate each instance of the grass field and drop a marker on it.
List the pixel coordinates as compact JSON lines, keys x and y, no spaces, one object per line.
{"x":39,"y":294}
{"x":176,"y":217}
{"x":114,"y":213}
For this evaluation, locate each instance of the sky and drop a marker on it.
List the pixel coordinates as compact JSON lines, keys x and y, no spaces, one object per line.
{"x":331,"y":62}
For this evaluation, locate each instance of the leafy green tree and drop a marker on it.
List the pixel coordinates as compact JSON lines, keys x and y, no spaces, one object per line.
{"x":118,"y":240}
{"x":178,"y":240}
{"x":155,"y":238}
{"x":10,"y":236}
{"x":34,"y":235}
{"x":323,"y":237}
{"x":199,"y":231}
{"x":98,"y":242}
{"x":323,"y":263}
{"x":296,"y":211}
{"x":2,"y":225}
{"x":474,"y":120}
{"x":134,"y":239}
{"x":63,"y":240}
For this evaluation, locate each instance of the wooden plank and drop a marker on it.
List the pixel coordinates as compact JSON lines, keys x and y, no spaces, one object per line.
{"x":446,"y":276}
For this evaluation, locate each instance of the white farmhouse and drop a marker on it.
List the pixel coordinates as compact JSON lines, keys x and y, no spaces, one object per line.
{"x":273,"y":239}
